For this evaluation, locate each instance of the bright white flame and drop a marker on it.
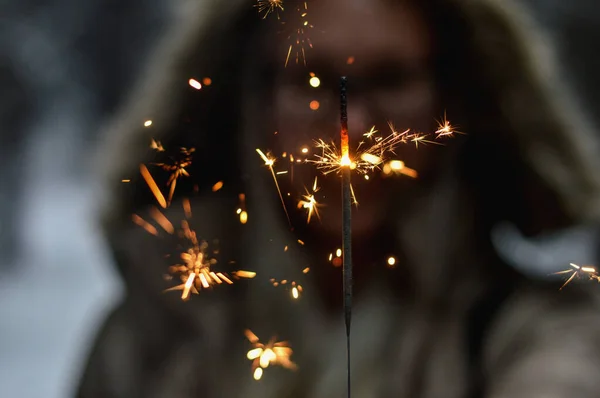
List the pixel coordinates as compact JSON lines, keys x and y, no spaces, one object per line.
{"x":195,"y":84}
{"x":345,"y":161}
{"x":258,"y":372}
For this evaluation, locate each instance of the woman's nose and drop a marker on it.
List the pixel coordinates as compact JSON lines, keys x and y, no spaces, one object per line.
{"x":358,"y":118}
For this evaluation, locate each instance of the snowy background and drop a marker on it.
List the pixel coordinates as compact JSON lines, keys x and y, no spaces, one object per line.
{"x":64,"y":68}
{"x":66,"y":65}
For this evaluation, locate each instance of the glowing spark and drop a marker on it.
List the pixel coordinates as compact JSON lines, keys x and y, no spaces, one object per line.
{"x":217,"y":186}
{"x":148,"y":123}
{"x":242,"y":209}
{"x":419,"y":138}
{"x":125,"y":180}
{"x":370,"y":158}
{"x":178,"y":169}
{"x":272,"y":353}
{"x":397,"y":166}
{"x":195,"y":84}
{"x":445,"y":129}
{"x":354,"y":200}
{"x":162,"y":220}
{"x":245,"y":274}
{"x":207,"y":81}
{"x":350,"y":60}
{"x":337,"y":260}
{"x":187,"y":208}
{"x":157,"y":146}
{"x":266,"y":7}
{"x":314,"y":82}
{"x":578,"y":272}
{"x":370,"y":133}
{"x":144,"y":224}
{"x":295,"y":290}
{"x":310,"y":203}
{"x":345,"y":159}
{"x":153,"y":187}
{"x":269,"y":162}
{"x":366,"y":159}
{"x":391,"y":261}
{"x":329,"y":160}
{"x":195,"y":268}
{"x":299,"y":38}
{"x":314,"y":105}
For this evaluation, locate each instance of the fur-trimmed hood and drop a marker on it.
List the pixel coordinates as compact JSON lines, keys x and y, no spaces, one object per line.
{"x":524,"y":130}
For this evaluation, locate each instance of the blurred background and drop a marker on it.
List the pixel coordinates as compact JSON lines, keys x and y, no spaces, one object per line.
{"x":66,"y":66}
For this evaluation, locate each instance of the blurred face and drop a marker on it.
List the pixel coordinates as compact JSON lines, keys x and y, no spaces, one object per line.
{"x":385,"y":51}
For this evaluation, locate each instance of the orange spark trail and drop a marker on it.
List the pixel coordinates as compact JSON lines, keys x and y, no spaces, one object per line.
{"x":269,"y":163}
{"x":153,"y":187}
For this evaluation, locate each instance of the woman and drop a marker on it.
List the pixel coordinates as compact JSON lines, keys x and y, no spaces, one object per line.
{"x":452,"y":320}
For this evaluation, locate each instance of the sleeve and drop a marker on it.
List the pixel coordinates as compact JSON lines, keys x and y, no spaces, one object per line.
{"x":546,"y":346}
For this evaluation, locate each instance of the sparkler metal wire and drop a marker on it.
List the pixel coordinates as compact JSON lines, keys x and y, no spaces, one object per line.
{"x":346,"y":221}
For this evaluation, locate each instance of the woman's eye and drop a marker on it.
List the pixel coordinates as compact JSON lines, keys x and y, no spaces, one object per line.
{"x":300,"y":100}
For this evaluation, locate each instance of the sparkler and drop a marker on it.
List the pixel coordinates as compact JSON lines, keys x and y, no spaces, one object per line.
{"x":369,"y":158}
{"x":346,"y":220}
{"x":272,"y":353}
{"x":578,"y":272}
